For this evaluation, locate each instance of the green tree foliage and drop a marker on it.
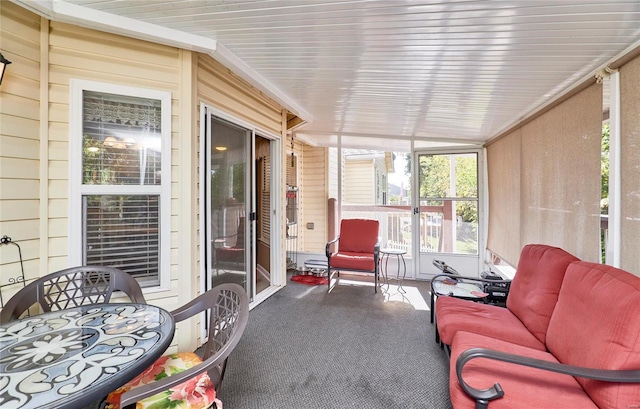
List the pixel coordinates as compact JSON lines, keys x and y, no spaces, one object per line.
{"x":604,"y":171}
{"x":435,"y":181}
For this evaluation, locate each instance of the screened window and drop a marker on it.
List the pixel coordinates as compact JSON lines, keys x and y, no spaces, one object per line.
{"x":122,"y":191}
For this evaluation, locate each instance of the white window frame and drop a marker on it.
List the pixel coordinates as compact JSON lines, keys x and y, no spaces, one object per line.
{"x":77,"y":189}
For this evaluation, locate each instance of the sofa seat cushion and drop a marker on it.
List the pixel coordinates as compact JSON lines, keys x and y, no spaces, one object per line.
{"x":596,"y":323}
{"x":535,"y":287}
{"x":454,"y":314}
{"x":353,"y":261}
{"x":523,"y":387}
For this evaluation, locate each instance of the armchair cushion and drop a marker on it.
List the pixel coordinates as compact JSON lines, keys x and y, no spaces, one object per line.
{"x":358,"y":236}
{"x":196,"y":393}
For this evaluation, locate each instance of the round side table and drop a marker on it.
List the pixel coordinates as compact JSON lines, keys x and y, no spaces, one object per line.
{"x":399,"y":255}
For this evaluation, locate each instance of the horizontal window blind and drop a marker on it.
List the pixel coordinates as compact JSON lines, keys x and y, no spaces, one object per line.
{"x":122,"y":231}
{"x":265,"y":222}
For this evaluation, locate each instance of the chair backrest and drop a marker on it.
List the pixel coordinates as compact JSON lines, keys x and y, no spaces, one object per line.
{"x":72,"y":287}
{"x":358,"y":235}
{"x":534,"y":291}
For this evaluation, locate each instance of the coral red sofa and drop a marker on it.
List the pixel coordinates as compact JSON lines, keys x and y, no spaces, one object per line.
{"x":590,"y":356}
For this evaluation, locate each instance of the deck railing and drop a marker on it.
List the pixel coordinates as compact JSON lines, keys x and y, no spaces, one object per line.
{"x":395,"y":225}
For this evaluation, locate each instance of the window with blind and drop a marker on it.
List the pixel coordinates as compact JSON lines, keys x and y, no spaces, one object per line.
{"x":122,"y":193}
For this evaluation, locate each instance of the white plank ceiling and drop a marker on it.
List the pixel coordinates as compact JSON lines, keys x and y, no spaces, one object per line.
{"x":430,"y":69}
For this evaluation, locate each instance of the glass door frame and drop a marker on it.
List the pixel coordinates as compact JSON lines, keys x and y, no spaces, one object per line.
{"x":248,"y":208}
{"x":470,"y":265}
{"x":276,"y":258}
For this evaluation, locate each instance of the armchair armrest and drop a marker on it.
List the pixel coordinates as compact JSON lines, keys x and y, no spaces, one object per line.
{"x":327,"y":250}
{"x":483,"y":396}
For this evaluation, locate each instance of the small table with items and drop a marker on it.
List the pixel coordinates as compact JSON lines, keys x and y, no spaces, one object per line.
{"x":399,"y":254}
{"x":454,"y":287}
{"x":71,"y":358}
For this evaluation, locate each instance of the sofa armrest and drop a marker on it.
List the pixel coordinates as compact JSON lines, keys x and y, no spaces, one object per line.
{"x":483,"y":396}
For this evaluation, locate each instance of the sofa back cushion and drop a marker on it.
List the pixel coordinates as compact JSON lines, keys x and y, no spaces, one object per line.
{"x":358,"y":235}
{"x":535,"y":287}
{"x":596,"y":324}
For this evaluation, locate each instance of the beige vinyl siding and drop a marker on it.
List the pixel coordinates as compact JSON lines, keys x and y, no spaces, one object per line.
{"x":359,"y":182}
{"x":333,"y":172}
{"x":298,"y":152}
{"x":20,"y":144}
{"x":79,"y":53}
{"x":314,"y":198}
{"x":220,"y":88}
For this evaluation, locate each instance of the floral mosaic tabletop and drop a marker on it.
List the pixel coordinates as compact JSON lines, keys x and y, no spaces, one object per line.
{"x":71,"y":358}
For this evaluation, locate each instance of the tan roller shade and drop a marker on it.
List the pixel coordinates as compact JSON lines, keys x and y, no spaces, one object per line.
{"x":558,"y":192}
{"x":560,"y":177}
{"x":630,"y":165}
{"x":503,"y":161}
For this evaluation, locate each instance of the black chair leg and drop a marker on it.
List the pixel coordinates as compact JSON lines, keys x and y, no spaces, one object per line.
{"x":375,"y":280}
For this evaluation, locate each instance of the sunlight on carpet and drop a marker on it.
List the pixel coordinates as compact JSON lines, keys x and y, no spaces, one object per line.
{"x":305,"y":293}
{"x":346,"y":281}
{"x":392,"y":293}
{"x":411,"y":296}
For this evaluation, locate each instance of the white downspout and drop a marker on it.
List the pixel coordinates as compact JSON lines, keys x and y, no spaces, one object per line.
{"x":615,"y":217}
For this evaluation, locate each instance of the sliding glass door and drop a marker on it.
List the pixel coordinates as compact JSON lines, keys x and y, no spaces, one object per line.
{"x":229,"y":226}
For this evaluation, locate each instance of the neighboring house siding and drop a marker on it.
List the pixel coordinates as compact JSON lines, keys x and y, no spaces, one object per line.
{"x":380,"y":177}
{"x":20,"y":165}
{"x":314,"y":199}
{"x":359,"y":178}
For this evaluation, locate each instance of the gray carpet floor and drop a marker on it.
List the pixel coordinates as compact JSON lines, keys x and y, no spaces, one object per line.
{"x":306,"y":348}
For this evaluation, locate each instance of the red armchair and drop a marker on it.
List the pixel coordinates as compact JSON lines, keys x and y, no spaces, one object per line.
{"x":357,"y":247}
